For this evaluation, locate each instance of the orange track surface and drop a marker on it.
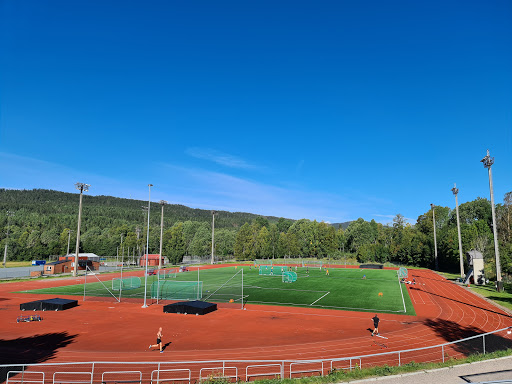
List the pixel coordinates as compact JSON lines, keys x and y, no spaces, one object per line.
{"x":109,"y":331}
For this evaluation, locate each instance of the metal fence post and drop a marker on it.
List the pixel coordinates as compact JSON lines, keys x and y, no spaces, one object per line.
{"x":399,"y":358}
{"x":442,"y":351}
{"x":483,"y":340}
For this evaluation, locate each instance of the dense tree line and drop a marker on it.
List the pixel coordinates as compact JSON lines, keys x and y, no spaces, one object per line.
{"x":42,"y":220}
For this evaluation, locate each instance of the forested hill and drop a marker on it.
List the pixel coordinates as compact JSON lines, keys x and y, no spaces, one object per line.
{"x":110,"y":211}
{"x":40,"y":221}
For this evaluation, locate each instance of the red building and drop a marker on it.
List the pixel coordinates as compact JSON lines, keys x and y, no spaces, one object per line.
{"x":153,"y":260}
{"x":66,"y":264}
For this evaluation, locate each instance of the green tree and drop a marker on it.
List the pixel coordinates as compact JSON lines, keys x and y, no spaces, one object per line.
{"x":201,"y":243}
{"x":263,"y":246}
{"x":359,"y":233}
{"x":225,"y":242}
{"x":175,"y":245}
{"x":243,"y":243}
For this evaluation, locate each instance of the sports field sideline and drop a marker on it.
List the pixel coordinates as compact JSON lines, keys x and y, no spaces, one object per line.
{"x":347,"y":289}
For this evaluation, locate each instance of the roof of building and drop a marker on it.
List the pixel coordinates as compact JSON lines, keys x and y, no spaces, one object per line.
{"x":58,"y":262}
{"x":150,"y":257}
{"x":474,"y":254}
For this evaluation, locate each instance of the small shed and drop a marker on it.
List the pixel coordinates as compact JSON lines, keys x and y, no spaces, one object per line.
{"x":153,"y":260}
{"x":476,"y":262}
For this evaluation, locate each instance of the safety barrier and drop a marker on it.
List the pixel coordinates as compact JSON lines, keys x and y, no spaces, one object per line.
{"x":114,"y":375}
{"x":23,"y":379}
{"x":260,"y":370}
{"x":64,"y":377}
{"x":218,"y":372}
{"x":188,"y":371}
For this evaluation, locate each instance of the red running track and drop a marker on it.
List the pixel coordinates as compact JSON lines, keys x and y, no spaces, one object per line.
{"x":100,"y":331}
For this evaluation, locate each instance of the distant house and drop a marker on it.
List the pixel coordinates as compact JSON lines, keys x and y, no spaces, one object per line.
{"x":57,"y":267}
{"x":66,"y":264}
{"x":153,"y":260}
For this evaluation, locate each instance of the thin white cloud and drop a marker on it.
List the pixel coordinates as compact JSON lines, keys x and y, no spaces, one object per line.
{"x":218,"y":157}
{"x":385,"y":216}
{"x":22,"y":172}
{"x":192,"y":187}
{"x":214,"y":190}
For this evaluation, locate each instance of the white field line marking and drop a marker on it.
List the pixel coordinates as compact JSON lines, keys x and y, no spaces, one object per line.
{"x":401,"y":292}
{"x":283,"y":289}
{"x":380,"y":336}
{"x":319,"y":298}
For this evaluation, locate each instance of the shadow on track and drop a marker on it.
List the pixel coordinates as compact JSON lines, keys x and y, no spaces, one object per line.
{"x":30,"y":350}
{"x":451,"y":331}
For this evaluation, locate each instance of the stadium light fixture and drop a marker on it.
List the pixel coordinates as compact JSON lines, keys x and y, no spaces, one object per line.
{"x":162,"y":203}
{"x":213,"y":235}
{"x":82,"y":187}
{"x":9,"y":214}
{"x":488,"y":161}
{"x":147,"y":250}
{"x":455,"y":191}
{"x":436,"y":262}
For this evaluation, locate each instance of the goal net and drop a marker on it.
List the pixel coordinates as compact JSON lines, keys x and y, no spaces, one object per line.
{"x":166,"y":274}
{"x":289,"y":277}
{"x":262,"y":262}
{"x":312,"y":263}
{"x":269,"y":270}
{"x":126,"y":283}
{"x":225,"y":291}
{"x":176,"y":290}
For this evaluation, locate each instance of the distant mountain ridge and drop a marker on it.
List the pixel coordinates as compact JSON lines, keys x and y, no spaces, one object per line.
{"x":343,"y":225}
{"x":51,"y":202}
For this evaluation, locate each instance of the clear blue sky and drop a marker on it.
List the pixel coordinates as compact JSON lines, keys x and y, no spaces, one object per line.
{"x":326,"y":110}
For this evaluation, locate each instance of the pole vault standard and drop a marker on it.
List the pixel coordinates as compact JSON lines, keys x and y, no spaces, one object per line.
{"x":147,"y":251}
{"x":455,"y":191}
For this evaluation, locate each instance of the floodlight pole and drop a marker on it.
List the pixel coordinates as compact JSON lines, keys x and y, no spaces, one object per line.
{"x":455,"y":191}
{"x":162,"y":203}
{"x":213,"y":234}
{"x":69,"y":240}
{"x":488,"y":162}
{"x":82,"y":188}
{"x":9,"y":215}
{"x":147,"y":250}
{"x":435,"y":239}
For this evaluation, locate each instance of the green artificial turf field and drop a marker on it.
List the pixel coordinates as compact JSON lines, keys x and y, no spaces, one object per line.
{"x":379,"y":291}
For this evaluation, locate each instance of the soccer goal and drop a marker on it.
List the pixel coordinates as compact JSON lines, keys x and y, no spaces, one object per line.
{"x":312,"y":263}
{"x":289,"y":277}
{"x":126,"y":283}
{"x":402,"y":273}
{"x":225,"y":291}
{"x":166,"y":274}
{"x":262,"y":262}
{"x":176,"y":290}
{"x":270,"y":270}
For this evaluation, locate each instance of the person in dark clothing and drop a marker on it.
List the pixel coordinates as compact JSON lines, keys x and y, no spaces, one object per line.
{"x":376,"y":325}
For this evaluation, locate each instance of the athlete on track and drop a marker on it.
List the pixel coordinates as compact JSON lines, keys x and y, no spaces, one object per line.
{"x":159,"y":336}
{"x":376,"y":325}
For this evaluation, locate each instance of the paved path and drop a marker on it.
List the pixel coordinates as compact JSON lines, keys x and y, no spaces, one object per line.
{"x":482,"y":371}
{"x":21,"y":272}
